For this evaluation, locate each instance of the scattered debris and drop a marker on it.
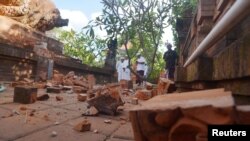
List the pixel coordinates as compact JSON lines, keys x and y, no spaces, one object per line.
{"x":123,"y":122}
{"x":53,"y":90}
{"x":32,"y":112}
{"x":105,"y":104}
{"x":67,"y":88}
{"x":149,"y":86}
{"x":43,"y":97}
{"x":83,"y":126}
{"x":46,"y":117}
{"x":49,"y":84}
{"x":53,"y":134}
{"x":82,"y":97}
{"x":143,"y":94}
{"x":120,"y":108}
{"x":28,"y":80}
{"x":23,"y":108}
{"x":59,"y":98}
{"x":163,"y":85}
{"x":96,"y":131}
{"x":134,"y":101}
{"x":15,"y":112}
{"x":107,"y":121}
{"x":92,"y":111}
{"x":56,"y":123}
{"x":26,"y":117}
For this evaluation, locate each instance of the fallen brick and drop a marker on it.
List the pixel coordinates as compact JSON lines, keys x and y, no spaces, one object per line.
{"x":143,"y":94}
{"x":179,"y":117}
{"x":25,"y":95}
{"x":58,"y":78}
{"x":53,"y":90}
{"x":79,"y":89}
{"x":149,"y":86}
{"x":71,"y":74}
{"x":23,"y":108}
{"x":80,"y":83}
{"x":134,"y":101}
{"x":43,"y":97}
{"x":82,"y":97}
{"x":107,"y":121}
{"x":83,"y":126}
{"x":59,"y":98}
{"x":68,"y":82}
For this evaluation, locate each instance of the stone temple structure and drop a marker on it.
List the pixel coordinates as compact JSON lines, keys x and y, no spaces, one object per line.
{"x":25,"y":50}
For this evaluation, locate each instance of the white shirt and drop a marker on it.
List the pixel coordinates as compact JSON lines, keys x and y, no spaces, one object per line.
{"x":119,"y":69}
{"x":145,"y":70}
{"x":125,"y":71}
{"x":141,"y":64}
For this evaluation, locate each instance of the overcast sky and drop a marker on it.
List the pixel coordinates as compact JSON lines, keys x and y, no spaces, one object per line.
{"x":79,"y":12}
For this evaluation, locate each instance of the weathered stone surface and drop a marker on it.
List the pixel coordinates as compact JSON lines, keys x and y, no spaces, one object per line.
{"x":47,"y":17}
{"x":25,"y":95}
{"x":43,"y":97}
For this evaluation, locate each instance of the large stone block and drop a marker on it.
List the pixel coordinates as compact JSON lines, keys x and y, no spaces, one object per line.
{"x":179,"y":117}
{"x":25,"y":95}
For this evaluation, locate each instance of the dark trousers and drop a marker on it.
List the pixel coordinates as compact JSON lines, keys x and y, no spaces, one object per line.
{"x":138,"y":79}
{"x":171,"y":72}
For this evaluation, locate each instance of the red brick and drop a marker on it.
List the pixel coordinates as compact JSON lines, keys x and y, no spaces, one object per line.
{"x":83,"y":126}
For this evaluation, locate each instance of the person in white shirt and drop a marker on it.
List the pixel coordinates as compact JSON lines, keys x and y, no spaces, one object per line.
{"x":119,"y":68}
{"x":140,"y":68}
{"x":125,"y":70}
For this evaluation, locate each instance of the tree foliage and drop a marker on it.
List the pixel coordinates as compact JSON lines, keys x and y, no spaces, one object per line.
{"x":140,"y":22}
{"x":81,"y":46}
{"x":179,"y":9}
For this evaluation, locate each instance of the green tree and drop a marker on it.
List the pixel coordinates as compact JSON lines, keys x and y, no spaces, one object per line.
{"x":78,"y":45}
{"x":139,"y":21}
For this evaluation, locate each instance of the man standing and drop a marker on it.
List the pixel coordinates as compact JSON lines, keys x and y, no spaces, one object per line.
{"x":119,"y":68}
{"x":140,"y":67}
{"x":126,"y":70}
{"x":170,"y":57}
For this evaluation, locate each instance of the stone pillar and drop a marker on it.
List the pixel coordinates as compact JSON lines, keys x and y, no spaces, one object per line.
{"x":44,"y":62}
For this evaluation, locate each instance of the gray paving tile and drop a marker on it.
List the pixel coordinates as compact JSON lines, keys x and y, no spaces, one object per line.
{"x":14,"y":127}
{"x":64,"y":133}
{"x":97,"y":123}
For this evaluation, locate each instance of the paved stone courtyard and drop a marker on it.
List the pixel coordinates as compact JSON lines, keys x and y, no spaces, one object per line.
{"x":37,"y":121}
